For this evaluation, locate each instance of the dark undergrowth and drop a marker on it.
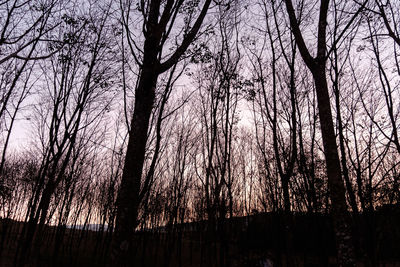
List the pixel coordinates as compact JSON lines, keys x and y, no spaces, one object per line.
{"x":257,"y":240}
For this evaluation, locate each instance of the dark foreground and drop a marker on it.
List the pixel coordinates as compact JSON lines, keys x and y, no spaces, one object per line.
{"x":259,"y":240}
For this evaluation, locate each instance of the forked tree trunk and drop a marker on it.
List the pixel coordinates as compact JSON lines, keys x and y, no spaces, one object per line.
{"x":157,"y":28}
{"x":340,"y":215}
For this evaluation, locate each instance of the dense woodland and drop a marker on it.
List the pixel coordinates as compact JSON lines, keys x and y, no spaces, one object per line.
{"x":157,"y":123}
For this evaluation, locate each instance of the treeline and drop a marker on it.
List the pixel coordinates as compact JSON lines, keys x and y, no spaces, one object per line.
{"x":148,"y":114}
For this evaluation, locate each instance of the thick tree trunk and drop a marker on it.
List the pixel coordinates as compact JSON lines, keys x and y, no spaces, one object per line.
{"x":286,"y":195}
{"x":317,"y":65}
{"x":155,"y":33}
{"x":340,"y":215}
{"x":128,"y":197}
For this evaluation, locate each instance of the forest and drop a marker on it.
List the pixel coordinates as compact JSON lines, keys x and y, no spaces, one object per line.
{"x":199,"y":133}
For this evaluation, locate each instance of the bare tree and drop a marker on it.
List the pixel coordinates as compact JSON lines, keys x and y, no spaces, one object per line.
{"x":317,"y":66}
{"x":24,"y":26}
{"x":157,"y":26}
{"x":76,"y":83}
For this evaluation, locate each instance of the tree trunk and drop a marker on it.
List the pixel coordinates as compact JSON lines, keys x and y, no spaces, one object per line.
{"x":317,"y":65}
{"x":340,"y":215}
{"x":128,"y":197}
